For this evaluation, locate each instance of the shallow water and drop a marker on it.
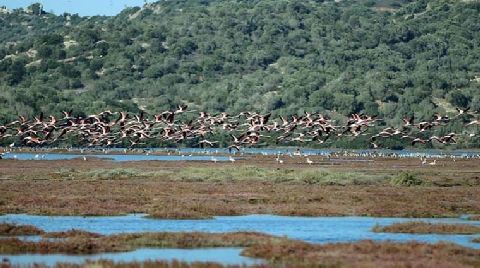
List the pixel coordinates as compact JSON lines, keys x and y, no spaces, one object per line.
{"x":225,"y":256}
{"x":185,"y":154}
{"x":113,"y":157}
{"x":31,"y":238}
{"x":311,"y":229}
{"x":327,"y":152}
{"x":206,"y":154}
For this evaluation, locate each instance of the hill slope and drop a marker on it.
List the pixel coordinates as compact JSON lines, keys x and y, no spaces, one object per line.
{"x":390,"y":58}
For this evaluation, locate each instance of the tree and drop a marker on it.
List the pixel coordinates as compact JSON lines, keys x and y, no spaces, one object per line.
{"x":16,"y":72}
{"x":36,"y":9}
{"x":458,"y":99}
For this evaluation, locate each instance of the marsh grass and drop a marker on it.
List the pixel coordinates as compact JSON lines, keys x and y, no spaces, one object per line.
{"x":317,"y":176}
{"x":82,"y":242}
{"x":179,"y":213}
{"x":149,"y":264}
{"x":427,"y":228}
{"x":253,"y":186}
{"x":407,"y":179}
{"x":9,"y":229}
{"x":71,"y":233}
{"x":366,"y":254}
{"x":107,"y":174}
{"x":278,"y":175}
{"x":193,"y":239}
{"x":278,"y":251}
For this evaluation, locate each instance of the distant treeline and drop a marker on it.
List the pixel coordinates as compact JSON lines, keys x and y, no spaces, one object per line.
{"x":393,"y":59}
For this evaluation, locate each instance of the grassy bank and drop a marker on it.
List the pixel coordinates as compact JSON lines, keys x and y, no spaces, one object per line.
{"x":427,"y":228}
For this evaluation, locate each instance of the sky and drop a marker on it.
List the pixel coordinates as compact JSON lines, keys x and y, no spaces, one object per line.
{"x":82,"y":7}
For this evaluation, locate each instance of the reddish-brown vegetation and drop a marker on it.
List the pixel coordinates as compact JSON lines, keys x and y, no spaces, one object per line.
{"x":428,"y":228}
{"x":152,"y":264}
{"x":8,"y":229}
{"x":71,"y":245}
{"x":83,"y":244}
{"x":277,"y":251}
{"x":71,"y":233}
{"x":367,"y":254}
{"x":167,"y":189}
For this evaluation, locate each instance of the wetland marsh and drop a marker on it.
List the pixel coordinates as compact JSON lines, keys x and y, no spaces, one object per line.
{"x":328,"y":206}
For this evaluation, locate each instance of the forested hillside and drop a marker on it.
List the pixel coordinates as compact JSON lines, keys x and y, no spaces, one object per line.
{"x":386,"y":58}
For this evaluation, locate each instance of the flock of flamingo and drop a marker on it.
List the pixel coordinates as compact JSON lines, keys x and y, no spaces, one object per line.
{"x":108,"y":129}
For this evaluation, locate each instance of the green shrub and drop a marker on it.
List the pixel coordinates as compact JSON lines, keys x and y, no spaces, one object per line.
{"x":406,"y":179}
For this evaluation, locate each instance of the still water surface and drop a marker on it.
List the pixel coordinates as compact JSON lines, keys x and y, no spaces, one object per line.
{"x":113,"y":157}
{"x":310,"y":229}
{"x":210,"y":154}
{"x":225,"y":256}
